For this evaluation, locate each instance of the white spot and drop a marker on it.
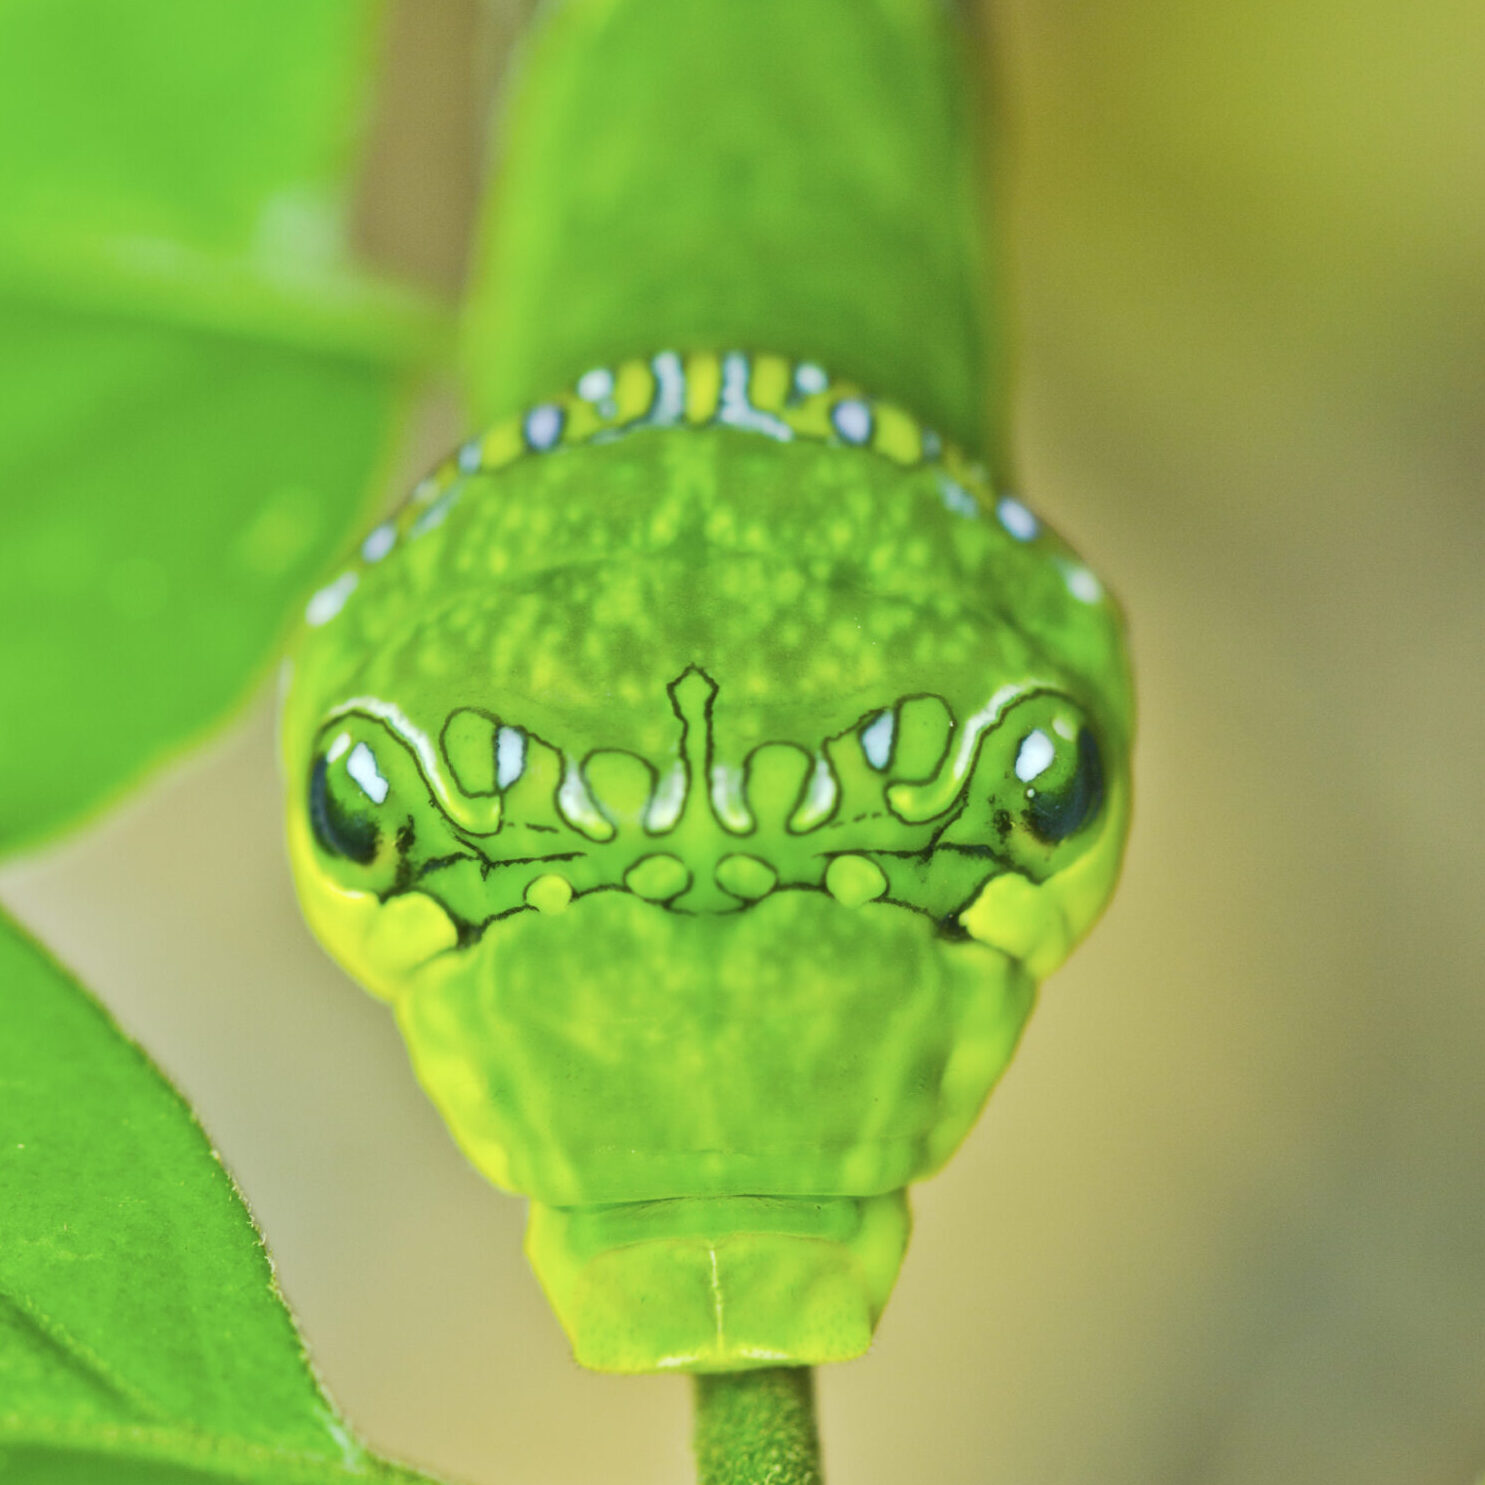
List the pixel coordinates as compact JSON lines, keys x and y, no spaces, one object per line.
{"x":852,"y":419}
{"x":379,"y":541}
{"x":727,"y":798}
{"x":337,"y":748}
{"x":330,"y":600}
{"x":1082,"y":584}
{"x":819,"y":798}
{"x":470,"y":457}
{"x":957,"y":499}
{"x":810,"y":378}
{"x":876,"y":739}
{"x":736,"y":411}
{"x":577,"y":805}
{"x":435,"y":514}
{"x":670,"y":390}
{"x":668,"y":802}
{"x":361,"y":766}
{"x":543,"y":426}
{"x":1034,"y":756}
{"x":425,"y":490}
{"x":1065,"y":727}
{"x":510,"y":756}
{"x":1016,"y":519}
{"x":596,"y":385}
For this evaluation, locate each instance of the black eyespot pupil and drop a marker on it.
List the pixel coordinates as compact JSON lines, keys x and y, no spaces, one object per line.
{"x":1055,"y":814}
{"x":342,"y":832}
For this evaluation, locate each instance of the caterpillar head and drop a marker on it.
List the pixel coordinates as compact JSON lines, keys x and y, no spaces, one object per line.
{"x":708,"y":808}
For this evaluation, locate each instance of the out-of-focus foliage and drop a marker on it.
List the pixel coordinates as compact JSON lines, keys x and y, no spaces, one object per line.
{"x":141,"y":1336}
{"x":195,"y":387}
{"x":195,"y":383}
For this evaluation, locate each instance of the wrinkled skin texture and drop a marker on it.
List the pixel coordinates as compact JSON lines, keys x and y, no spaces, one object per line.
{"x":707,"y":773}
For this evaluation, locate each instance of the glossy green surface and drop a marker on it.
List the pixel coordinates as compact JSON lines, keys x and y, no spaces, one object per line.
{"x":142,"y":1337}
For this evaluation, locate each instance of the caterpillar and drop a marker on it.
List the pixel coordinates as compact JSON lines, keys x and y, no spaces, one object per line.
{"x":713,"y":753}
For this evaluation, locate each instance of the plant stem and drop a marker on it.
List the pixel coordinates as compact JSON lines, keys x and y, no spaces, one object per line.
{"x":757,"y":1428}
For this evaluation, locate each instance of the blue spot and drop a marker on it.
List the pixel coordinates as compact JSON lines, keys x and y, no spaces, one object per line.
{"x":957,"y":499}
{"x":1017,"y":520}
{"x":543,"y":426}
{"x":852,"y":419}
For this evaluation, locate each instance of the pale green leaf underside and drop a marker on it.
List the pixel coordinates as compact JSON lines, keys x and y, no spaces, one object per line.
{"x":196,"y":384}
{"x":141,"y":1336}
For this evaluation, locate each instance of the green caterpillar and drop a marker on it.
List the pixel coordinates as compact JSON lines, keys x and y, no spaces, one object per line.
{"x":708,"y":759}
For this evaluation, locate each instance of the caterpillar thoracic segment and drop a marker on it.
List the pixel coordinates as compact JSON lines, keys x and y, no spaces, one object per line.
{"x":707,"y":760}
{"x":763,"y":394}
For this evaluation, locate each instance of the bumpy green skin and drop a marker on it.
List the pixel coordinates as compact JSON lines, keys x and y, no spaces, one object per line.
{"x":707,"y":763}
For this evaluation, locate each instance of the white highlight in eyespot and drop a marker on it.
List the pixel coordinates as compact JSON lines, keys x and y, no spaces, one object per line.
{"x":852,"y":419}
{"x":810,"y":378}
{"x":876,"y":739}
{"x":968,"y":733}
{"x":330,"y":600}
{"x":336,"y":750}
{"x":543,"y":426}
{"x":510,"y":756}
{"x":1017,"y":520}
{"x":1066,"y":728}
{"x":595,"y":385}
{"x":361,"y":766}
{"x":1082,"y":584}
{"x":736,"y":411}
{"x":410,"y":733}
{"x":379,"y":541}
{"x":957,"y":499}
{"x":470,"y":457}
{"x":1034,"y":756}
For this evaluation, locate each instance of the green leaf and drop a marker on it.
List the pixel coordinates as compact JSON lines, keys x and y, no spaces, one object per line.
{"x":196,"y":383}
{"x":141,"y":1335}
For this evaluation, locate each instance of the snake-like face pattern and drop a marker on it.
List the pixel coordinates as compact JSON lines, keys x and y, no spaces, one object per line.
{"x":706,"y":765}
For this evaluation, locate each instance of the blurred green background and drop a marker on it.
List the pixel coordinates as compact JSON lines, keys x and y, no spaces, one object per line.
{"x":1224,"y":1223}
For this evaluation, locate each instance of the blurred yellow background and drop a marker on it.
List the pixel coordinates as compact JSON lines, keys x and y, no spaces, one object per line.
{"x":1224,"y":1223}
